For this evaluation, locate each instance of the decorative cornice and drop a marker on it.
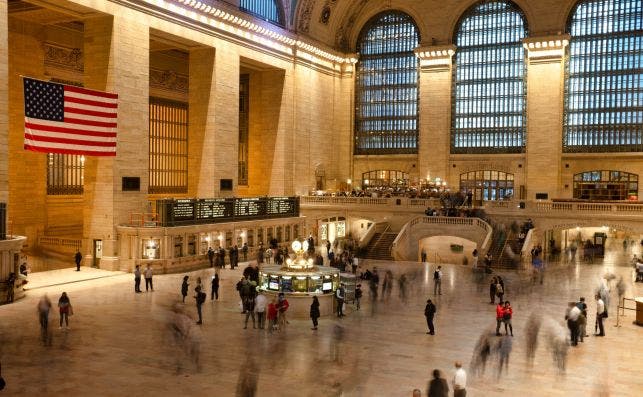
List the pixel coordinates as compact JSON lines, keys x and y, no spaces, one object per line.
{"x":61,"y":57}
{"x":168,"y":80}
{"x":239,"y":27}
{"x":435,"y":58}
{"x":546,"y":49}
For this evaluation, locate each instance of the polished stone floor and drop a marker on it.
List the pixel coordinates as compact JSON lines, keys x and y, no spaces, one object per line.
{"x":120,"y":343}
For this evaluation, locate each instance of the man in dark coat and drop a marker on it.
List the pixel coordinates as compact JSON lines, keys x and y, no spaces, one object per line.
{"x":429,"y":313}
{"x":78,"y":257}
{"x":438,"y":387}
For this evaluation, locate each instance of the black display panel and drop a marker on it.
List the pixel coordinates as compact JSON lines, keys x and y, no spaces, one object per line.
{"x":181,"y":212}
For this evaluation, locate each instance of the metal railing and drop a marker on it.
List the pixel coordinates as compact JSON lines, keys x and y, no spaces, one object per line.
{"x":621,"y":306}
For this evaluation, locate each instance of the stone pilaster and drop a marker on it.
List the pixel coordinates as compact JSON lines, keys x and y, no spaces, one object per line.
{"x":4,"y":103}
{"x":202,"y":128}
{"x":435,"y":110}
{"x":545,"y":90}
{"x":117,"y":60}
{"x":226,"y":110}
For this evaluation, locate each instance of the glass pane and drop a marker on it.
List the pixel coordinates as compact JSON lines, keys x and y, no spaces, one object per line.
{"x":489,"y":80}
{"x":603,"y":111}
{"x":386,"y":93}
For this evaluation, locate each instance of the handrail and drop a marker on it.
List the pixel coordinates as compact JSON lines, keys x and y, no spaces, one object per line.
{"x":374,"y":228}
{"x":143,"y":219}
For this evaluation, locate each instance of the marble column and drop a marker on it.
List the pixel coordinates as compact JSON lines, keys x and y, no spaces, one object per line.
{"x":545,"y":95}
{"x":202,"y":127}
{"x":434,"y":109}
{"x":117,"y":60}
{"x":226,"y":111}
{"x":4,"y":103}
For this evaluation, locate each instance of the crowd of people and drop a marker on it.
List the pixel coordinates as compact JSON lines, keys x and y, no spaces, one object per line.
{"x":271,"y":314}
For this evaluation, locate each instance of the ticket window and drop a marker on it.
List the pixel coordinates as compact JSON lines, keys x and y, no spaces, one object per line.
{"x":192,"y":245}
{"x":251,"y":238}
{"x":178,"y":246}
{"x":151,"y":249}
{"x":315,"y":284}
{"x":279,"y":234}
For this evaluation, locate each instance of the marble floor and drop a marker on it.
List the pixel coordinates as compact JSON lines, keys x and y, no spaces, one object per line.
{"x":120,"y":343}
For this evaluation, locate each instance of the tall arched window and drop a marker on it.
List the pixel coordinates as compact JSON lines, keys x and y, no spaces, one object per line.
{"x":603,"y":89}
{"x":489,"y":85}
{"x":268,"y":10}
{"x":386,"y":92}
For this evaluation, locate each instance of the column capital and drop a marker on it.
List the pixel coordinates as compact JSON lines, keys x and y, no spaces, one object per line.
{"x":435,"y":58}
{"x":546,"y":48}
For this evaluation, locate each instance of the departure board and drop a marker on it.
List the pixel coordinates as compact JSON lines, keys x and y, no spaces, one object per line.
{"x":183,"y":209}
{"x":181,"y":212}
{"x":249,"y":207}
{"x":281,"y":206}
{"x":212,"y":209}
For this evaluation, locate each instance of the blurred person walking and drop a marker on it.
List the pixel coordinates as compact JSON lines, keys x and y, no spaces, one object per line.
{"x":214,"y":294}
{"x":438,"y":386}
{"x":437,"y":281}
{"x":44,"y":306}
{"x":260,"y":307}
{"x":199,"y":296}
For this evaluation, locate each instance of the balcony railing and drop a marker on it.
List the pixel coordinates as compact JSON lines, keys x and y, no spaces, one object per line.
{"x":404,"y":202}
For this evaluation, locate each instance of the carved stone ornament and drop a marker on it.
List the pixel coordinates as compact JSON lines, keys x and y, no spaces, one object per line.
{"x":63,"y":57}
{"x":305,"y":12}
{"x":169,"y":80}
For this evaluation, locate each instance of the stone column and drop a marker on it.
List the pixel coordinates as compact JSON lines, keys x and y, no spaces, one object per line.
{"x":117,"y":60}
{"x":202,"y":127}
{"x":545,"y":95}
{"x":435,"y":110}
{"x":4,"y":103}
{"x":226,"y":110}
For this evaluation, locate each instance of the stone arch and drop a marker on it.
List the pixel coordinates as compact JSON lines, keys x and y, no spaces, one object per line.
{"x":462,"y":10}
{"x":353,"y":23}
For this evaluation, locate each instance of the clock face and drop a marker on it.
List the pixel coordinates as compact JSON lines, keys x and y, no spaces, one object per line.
{"x":296,"y":246}
{"x":305,"y":245}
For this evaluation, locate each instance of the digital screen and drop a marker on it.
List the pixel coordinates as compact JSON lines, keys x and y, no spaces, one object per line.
{"x":280,"y":205}
{"x":214,"y":209}
{"x":273,"y":285}
{"x":183,"y":210}
{"x":249,"y":207}
{"x":192,"y":211}
{"x":327,"y":286}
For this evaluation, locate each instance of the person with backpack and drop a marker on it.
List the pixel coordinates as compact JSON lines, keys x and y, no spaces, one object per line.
{"x":507,"y":314}
{"x":358,"y":295}
{"x":437,"y":281}
{"x":199,"y":296}
{"x":249,"y":307}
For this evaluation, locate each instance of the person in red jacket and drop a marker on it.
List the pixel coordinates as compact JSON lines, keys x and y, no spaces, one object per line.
{"x":507,"y":314}
{"x":500,"y":313}
{"x":272,"y":315}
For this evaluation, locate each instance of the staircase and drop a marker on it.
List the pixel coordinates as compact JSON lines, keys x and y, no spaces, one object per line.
{"x":380,"y":246}
{"x":501,"y":259}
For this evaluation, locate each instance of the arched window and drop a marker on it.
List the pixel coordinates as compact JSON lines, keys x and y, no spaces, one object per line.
{"x":268,"y":10}
{"x":489,"y":85}
{"x":487,"y":185}
{"x":386,"y":92}
{"x":604,"y":84}
{"x":606,"y":185}
{"x":385,"y":178}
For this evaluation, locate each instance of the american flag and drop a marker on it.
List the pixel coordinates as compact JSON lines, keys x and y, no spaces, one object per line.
{"x":70,"y":120}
